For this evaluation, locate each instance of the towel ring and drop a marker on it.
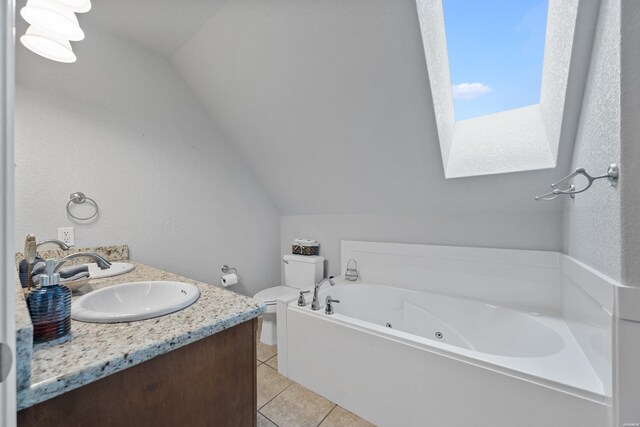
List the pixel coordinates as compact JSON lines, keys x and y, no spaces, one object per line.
{"x":79,"y":198}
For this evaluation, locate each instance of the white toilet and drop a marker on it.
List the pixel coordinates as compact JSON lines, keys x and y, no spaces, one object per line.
{"x":301,"y":273}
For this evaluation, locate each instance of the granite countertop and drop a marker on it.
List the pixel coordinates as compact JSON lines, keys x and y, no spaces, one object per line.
{"x":93,"y":350}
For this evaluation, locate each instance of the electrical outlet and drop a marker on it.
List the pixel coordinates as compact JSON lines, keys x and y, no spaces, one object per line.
{"x":67,"y":235}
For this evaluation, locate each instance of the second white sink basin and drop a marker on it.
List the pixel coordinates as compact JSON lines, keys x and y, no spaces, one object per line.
{"x":116,"y":269}
{"x":133,"y":301}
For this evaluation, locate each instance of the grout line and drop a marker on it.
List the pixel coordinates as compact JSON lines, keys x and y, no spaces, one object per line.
{"x":269,"y":401}
{"x":328,"y":413}
{"x":257,"y":358}
{"x":265,"y":362}
{"x":290,"y":384}
{"x":268,"y":358}
{"x":272,"y":422}
{"x":276,"y":395}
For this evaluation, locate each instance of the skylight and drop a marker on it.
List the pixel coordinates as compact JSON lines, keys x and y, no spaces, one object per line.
{"x":496,"y":50}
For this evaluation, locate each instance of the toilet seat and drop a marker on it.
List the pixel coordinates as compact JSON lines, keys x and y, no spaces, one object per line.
{"x":270,"y":295}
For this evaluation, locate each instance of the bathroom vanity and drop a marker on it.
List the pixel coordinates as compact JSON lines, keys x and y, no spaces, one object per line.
{"x":192,"y":367}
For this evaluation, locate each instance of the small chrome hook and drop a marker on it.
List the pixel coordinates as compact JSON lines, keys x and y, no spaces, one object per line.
{"x":613,"y":172}
{"x":555,"y":194}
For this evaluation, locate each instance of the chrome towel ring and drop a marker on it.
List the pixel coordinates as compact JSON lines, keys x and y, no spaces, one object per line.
{"x":79,"y":198}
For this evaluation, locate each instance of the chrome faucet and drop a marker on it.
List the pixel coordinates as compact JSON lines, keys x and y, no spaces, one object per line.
{"x":301,"y":301}
{"x":315,"y":304}
{"x":61,"y":245}
{"x":102,"y":263}
{"x":328,"y":305}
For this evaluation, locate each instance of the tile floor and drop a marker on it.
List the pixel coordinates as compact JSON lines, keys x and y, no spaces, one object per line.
{"x":283,"y":403}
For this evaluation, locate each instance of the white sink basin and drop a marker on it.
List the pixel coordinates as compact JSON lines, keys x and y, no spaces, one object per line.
{"x":133,"y":301}
{"x":116,"y":269}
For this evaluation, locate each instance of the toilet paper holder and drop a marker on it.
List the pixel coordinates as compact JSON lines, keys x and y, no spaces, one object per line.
{"x":226,"y":269}
{"x":229,"y":276}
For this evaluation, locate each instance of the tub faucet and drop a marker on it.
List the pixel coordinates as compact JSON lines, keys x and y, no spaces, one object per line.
{"x":315,"y":304}
{"x":328,"y":305}
{"x":102,"y":263}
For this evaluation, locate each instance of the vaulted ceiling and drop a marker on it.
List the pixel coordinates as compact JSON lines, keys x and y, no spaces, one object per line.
{"x":328,"y":102}
{"x":162,"y":26}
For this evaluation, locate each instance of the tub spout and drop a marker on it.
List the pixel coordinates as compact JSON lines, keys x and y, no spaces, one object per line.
{"x":315,"y":304}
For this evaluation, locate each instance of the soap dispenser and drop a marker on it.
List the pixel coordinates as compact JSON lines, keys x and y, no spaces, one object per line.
{"x":50,"y":306}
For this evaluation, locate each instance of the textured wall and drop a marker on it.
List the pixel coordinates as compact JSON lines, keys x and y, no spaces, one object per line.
{"x":434,"y":41}
{"x":508,"y":141}
{"x":627,"y":381}
{"x":559,"y":44}
{"x":121,"y":126}
{"x":591,"y":230}
{"x":630,"y":145}
{"x":329,"y":104}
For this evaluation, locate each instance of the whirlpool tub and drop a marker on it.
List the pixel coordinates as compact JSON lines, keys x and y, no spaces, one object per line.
{"x":399,"y":357}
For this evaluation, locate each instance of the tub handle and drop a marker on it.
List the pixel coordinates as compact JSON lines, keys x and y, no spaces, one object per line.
{"x":301,"y":301}
{"x":328,"y":309}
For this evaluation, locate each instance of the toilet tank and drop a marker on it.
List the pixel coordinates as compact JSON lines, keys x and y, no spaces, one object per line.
{"x":302,"y":271}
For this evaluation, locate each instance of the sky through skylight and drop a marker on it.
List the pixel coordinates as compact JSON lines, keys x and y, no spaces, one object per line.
{"x":496,"y":49}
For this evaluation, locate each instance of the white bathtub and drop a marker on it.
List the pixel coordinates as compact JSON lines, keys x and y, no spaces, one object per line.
{"x":459,"y":322}
{"x":398,"y":357}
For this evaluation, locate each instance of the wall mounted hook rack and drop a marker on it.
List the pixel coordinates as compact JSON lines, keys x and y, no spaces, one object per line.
{"x":613,"y":173}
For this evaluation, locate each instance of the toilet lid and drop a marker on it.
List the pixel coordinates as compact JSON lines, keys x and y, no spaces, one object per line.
{"x":271,"y":294}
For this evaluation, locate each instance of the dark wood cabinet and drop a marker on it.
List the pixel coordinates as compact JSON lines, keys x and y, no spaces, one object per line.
{"x":211,"y":382}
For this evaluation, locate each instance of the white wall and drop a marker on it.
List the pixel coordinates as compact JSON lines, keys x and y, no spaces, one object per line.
{"x":630,"y":146}
{"x":330,"y":106}
{"x":480,"y":228}
{"x":591,"y":226}
{"x":121,"y":126}
{"x":627,"y":380}
{"x":329,"y":103}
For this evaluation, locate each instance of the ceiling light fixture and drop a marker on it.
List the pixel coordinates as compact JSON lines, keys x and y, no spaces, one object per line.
{"x":78,"y":6}
{"x":53,"y":25}
{"x":52,"y":17}
{"x":48,"y":45}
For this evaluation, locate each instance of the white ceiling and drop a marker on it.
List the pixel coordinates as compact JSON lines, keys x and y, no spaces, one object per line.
{"x":329,"y":104}
{"x":327,"y":101}
{"x":159,"y":25}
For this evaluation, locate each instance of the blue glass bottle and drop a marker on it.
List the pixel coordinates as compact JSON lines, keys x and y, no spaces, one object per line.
{"x":50,"y":306}
{"x":24,"y":270}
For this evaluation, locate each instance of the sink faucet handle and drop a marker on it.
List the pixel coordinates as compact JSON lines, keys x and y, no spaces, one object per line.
{"x":301,"y":301}
{"x":328,"y":309}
